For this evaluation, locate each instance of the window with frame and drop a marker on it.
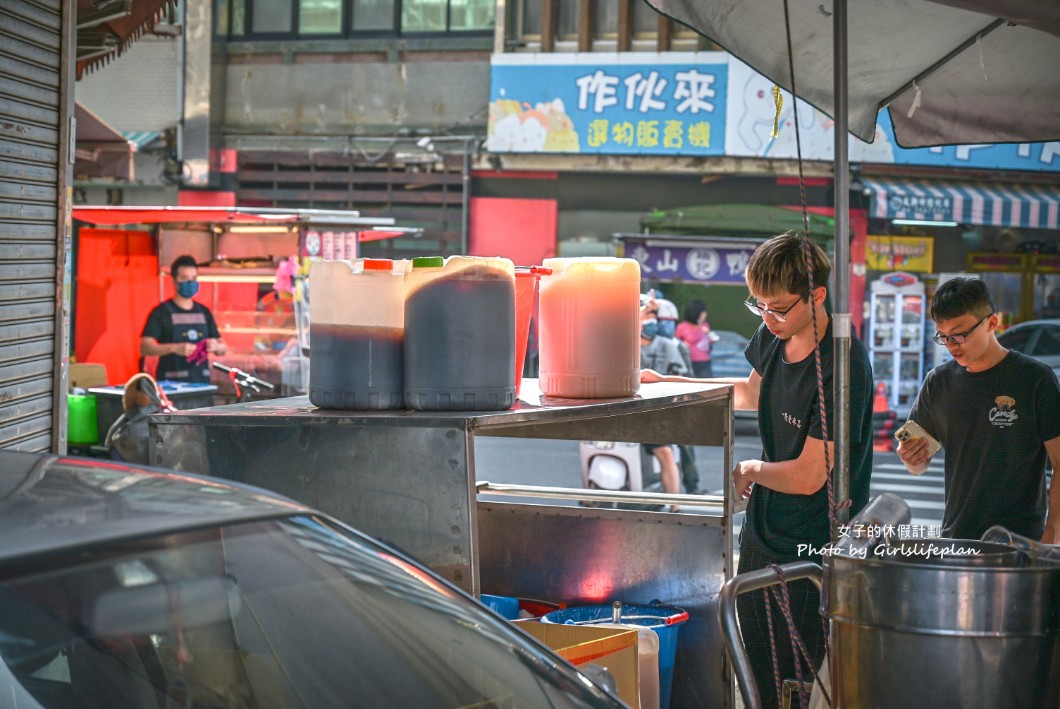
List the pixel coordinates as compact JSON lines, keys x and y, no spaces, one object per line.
{"x":643,"y":25}
{"x":270,"y":19}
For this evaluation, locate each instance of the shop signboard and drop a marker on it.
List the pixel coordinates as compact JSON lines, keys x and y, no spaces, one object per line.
{"x":908,"y":253}
{"x":692,"y":104}
{"x":674,"y":105}
{"x":701,"y":262}
{"x":999,"y":262}
{"x":330,"y":244}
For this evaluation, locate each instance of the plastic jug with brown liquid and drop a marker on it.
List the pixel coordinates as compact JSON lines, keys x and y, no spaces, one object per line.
{"x":460,"y":334}
{"x":357,"y":334}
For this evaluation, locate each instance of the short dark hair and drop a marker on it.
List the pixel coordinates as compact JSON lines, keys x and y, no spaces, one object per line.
{"x":779,"y":266}
{"x":183,"y":261}
{"x":961,"y":296}
{"x":693,"y":310}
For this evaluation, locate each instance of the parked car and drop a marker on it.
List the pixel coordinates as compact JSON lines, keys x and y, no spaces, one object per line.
{"x":726,"y":356}
{"x":131,"y":587}
{"x":1036,"y":338}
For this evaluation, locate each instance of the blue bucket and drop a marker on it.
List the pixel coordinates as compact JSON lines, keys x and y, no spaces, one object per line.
{"x":506,"y":606}
{"x":664,"y":620}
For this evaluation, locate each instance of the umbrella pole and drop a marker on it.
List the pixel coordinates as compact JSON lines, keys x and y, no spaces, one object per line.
{"x":841,"y":325}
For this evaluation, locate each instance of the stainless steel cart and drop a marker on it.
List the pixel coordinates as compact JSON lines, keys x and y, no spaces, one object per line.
{"x":409,"y":478}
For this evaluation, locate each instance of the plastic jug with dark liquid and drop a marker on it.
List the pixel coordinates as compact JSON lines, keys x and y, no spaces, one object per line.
{"x":460,"y":334}
{"x":590,"y":328}
{"x":357,"y":334}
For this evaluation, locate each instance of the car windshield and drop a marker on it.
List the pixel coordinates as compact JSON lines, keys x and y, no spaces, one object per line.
{"x":279,"y":613}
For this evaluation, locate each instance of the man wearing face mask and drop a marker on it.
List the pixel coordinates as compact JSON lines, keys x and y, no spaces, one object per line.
{"x":181,"y":332}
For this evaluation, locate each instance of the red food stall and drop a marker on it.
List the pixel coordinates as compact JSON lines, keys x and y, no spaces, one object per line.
{"x":251,"y":267}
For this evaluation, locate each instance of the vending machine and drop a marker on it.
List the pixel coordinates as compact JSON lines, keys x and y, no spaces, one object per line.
{"x":896,"y":335}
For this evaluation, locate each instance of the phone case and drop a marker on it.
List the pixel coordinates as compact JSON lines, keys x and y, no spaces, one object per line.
{"x":913,"y":430}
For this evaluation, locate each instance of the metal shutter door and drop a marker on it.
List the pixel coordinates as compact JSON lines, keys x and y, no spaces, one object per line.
{"x":33,"y":128}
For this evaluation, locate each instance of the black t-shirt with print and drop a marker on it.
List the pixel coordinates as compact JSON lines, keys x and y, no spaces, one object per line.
{"x":170,"y":323}
{"x":789,"y":412}
{"x":992,"y":426}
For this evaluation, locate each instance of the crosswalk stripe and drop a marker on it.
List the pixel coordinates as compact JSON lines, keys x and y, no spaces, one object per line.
{"x":933,"y":524}
{"x":899,"y":466}
{"x":920,"y":504}
{"x":926,"y":477}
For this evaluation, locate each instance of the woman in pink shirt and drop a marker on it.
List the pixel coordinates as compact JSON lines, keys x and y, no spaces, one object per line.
{"x":695,"y":332}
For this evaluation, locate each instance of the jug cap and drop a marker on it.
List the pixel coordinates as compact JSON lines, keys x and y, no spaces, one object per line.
{"x":428,"y":261}
{"x":378,"y":264}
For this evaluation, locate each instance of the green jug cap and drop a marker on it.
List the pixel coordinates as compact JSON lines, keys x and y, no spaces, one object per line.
{"x":428,"y":262}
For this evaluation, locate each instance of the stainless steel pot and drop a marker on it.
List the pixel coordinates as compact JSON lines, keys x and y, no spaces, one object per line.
{"x":933,"y":634}
{"x":950,"y":552}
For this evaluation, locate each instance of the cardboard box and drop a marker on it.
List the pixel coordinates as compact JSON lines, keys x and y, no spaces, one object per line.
{"x":613,"y":648}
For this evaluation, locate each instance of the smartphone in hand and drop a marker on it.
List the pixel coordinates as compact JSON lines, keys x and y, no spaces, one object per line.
{"x":912,"y":431}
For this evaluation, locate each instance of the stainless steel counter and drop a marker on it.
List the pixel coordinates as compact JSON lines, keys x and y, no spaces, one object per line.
{"x":409,"y":479}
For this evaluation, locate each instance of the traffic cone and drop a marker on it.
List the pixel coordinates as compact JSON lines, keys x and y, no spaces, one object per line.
{"x":880,"y":403}
{"x":883,"y":420}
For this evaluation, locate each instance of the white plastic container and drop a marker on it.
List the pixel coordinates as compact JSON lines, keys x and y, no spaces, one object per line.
{"x":357,"y":334}
{"x":647,"y":661}
{"x":590,"y":328}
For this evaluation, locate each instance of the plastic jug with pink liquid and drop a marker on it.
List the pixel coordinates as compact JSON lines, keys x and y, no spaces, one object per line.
{"x":590,"y":328}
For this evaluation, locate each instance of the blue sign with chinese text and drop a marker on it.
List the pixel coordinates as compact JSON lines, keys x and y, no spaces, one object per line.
{"x":621,"y":108}
{"x":691,"y":104}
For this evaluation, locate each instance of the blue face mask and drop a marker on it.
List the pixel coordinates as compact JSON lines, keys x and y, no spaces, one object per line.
{"x":667,"y":328}
{"x":187,"y":289}
{"x":649,"y":329}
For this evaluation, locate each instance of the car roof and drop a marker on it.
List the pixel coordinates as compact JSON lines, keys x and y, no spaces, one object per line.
{"x":1034,"y":323}
{"x":51,"y":503}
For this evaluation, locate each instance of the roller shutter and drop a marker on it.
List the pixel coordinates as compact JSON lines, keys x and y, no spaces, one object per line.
{"x":35,"y":80}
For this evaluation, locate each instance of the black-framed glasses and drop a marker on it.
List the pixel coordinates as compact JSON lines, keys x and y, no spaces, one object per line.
{"x":781,"y":315}
{"x":960,"y":337}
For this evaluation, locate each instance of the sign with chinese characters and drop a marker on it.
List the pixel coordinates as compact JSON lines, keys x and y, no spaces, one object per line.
{"x":691,"y":104}
{"x":908,"y":253}
{"x":550,"y":103}
{"x":702,"y":262}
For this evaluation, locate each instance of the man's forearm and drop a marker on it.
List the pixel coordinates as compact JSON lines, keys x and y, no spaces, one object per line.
{"x":744,"y":399}
{"x":791,"y":477}
{"x":1052,"y":520}
{"x":158,"y":349}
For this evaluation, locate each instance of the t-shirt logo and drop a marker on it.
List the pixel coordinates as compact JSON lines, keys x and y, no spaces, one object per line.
{"x":791,"y":420}
{"x":1003,"y":414}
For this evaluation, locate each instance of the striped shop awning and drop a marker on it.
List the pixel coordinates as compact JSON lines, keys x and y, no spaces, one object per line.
{"x":1035,"y":206}
{"x":141,"y":138}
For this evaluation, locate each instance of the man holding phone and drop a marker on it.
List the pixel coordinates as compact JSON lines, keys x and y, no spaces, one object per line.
{"x":997,"y":414}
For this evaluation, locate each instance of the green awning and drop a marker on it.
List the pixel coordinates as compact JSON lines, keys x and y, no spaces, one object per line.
{"x":745,"y":220}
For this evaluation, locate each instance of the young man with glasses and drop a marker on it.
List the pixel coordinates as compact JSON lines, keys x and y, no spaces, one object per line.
{"x":996,"y":412}
{"x":787,"y":514}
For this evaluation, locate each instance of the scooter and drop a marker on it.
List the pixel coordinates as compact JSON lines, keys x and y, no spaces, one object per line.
{"x":610,"y":465}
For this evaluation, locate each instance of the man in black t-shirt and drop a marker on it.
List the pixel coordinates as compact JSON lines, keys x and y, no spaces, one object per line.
{"x":997,"y":414}
{"x":181,"y":332}
{"x":787,"y":513}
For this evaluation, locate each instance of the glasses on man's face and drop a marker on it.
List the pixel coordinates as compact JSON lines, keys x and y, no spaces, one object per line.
{"x":960,"y":337}
{"x":781,"y":315}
